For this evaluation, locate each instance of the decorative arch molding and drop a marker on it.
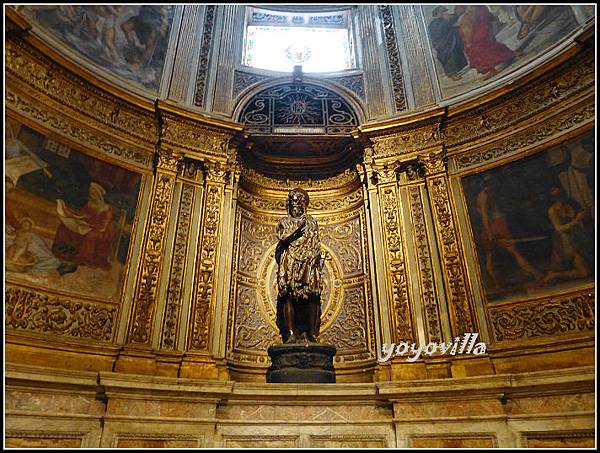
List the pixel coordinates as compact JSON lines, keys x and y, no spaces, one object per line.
{"x":327,"y":91}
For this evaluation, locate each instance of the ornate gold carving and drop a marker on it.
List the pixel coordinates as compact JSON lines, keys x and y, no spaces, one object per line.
{"x":344,"y":179}
{"x":407,"y":142}
{"x":189,"y":135}
{"x":560,"y":316}
{"x":431,"y":313}
{"x":73,"y":93}
{"x":58,"y":315}
{"x":397,"y":267}
{"x":207,"y":263}
{"x":536,"y":98}
{"x":145,"y":296}
{"x":56,"y":122}
{"x":349,"y":330}
{"x":433,"y":162}
{"x":558,"y":124}
{"x":251,"y":330}
{"x":453,"y":268}
{"x":345,"y":241}
{"x":180,"y":249}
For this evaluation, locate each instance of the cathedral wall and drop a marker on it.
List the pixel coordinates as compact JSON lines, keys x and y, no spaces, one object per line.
{"x":157,"y":337}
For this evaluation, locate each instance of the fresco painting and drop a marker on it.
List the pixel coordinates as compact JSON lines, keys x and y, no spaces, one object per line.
{"x":533,"y":221}
{"x":130,"y":41}
{"x":475,"y":43}
{"x":68,"y":216}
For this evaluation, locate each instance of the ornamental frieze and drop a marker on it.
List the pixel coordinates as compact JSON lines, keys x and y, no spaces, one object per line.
{"x":75,"y":96}
{"x":513,"y":110}
{"x":557,"y":125}
{"x":341,"y":180}
{"x":189,"y":135}
{"x":404,"y":143}
{"x":45,"y":115}
{"x":554,"y":316}
{"x":58,"y":315}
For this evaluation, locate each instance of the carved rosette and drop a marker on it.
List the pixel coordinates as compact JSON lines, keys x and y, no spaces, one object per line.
{"x":180,"y":250}
{"x":147,"y":287}
{"x":58,"y":315}
{"x":561,"y":316}
{"x":453,"y":268}
{"x":397,"y":278}
{"x":433,"y":329}
{"x":207,"y":257}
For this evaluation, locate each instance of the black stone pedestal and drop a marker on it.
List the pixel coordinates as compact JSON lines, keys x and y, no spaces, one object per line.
{"x":301,"y":363}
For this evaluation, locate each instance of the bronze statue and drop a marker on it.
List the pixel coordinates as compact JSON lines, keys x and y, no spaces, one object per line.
{"x":299,"y":272}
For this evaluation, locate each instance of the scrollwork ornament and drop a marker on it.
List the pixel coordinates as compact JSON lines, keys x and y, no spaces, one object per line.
{"x":58,"y":315}
{"x":207,"y":263}
{"x":395,"y":256}
{"x":570,"y":314}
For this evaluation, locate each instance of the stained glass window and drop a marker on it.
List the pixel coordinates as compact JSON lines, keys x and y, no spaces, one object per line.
{"x":279,"y":41}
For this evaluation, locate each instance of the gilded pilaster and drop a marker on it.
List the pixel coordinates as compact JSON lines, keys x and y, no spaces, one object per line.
{"x":462,"y":318}
{"x":190,"y":184}
{"x":207,"y":259}
{"x":397,"y":275}
{"x":426,"y":299}
{"x":145,"y":298}
{"x":376,"y":252}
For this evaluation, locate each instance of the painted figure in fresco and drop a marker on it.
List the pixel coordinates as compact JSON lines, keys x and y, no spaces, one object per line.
{"x":572,"y":244}
{"x":496,"y":234}
{"x":477,"y":27}
{"x":142,"y":32}
{"x":574,"y":179}
{"x":26,"y":251}
{"x":531,"y":18}
{"x":447,"y":42}
{"x":299,"y":273}
{"x":85,"y":236}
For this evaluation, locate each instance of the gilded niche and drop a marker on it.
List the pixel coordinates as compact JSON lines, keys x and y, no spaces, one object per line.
{"x":346,"y":319}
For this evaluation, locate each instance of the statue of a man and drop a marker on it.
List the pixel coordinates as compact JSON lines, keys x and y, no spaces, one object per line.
{"x":300,"y":272}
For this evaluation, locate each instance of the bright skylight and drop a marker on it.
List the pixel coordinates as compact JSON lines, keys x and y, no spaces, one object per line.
{"x":281,"y":48}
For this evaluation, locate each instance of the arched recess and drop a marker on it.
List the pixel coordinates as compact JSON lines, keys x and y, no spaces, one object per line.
{"x":334,"y":91}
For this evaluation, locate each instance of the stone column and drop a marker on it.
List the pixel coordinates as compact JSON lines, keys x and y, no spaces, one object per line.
{"x":372,"y":51}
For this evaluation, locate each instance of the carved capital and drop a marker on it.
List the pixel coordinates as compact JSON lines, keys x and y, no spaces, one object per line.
{"x":387,"y":173}
{"x":168,"y":160}
{"x":433,"y":162}
{"x":216,"y":171}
